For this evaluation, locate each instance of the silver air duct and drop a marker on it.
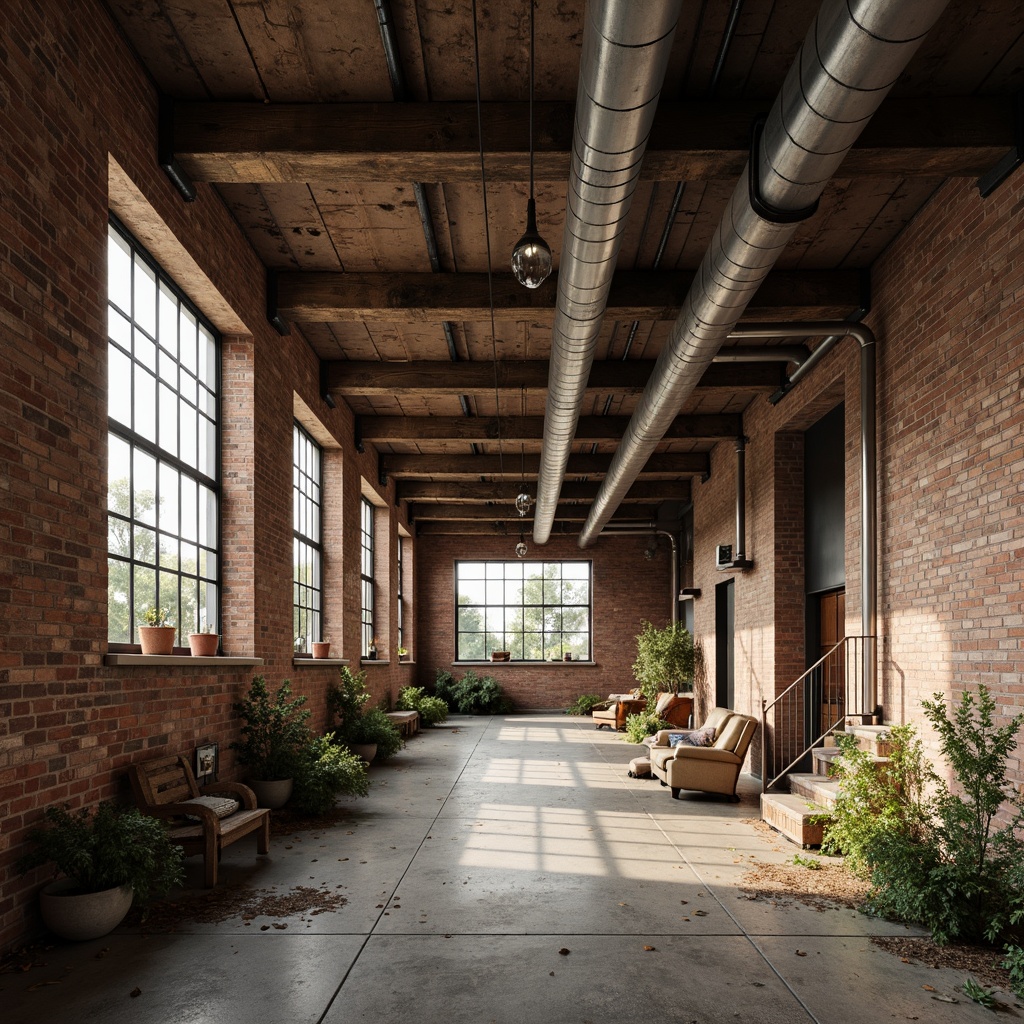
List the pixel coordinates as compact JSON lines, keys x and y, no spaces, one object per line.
{"x":626,"y":46}
{"x":854,"y":52}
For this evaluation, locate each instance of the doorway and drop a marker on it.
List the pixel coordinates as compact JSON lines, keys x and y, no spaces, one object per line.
{"x":832,"y":629}
{"x":725,"y":644}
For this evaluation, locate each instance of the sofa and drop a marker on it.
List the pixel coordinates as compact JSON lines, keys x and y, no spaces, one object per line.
{"x":614,"y":711}
{"x":711,"y":768}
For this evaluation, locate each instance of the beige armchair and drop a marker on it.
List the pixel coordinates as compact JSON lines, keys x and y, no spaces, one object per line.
{"x":713,"y":769}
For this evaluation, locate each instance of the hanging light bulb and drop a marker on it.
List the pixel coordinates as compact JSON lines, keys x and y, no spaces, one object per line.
{"x":523,"y":503}
{"x":521,"y":547}
{"x":531,"y":258}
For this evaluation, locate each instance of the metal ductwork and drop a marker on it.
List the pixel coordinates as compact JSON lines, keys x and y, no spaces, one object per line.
{"x":854,"y":52}
{"x":626,"y":47}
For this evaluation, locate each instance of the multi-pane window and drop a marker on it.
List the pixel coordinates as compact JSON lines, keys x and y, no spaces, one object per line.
{"x":307,"y":578}
{"x":366,"y":572}
{"x":401,"y":594}
{"x":539,"y":611}
{"x":162,"y":471}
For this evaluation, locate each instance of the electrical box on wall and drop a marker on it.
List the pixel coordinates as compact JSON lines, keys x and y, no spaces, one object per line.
{"x":723,"y":555}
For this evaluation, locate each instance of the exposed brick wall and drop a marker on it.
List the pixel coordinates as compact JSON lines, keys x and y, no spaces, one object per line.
{"x":627,"y":590}
{"x":69,"y":724}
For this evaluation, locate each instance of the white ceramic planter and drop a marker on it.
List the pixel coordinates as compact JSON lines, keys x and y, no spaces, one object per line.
{"x":76,"y":915}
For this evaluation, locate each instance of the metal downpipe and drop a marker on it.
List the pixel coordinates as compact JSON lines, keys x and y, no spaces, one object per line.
{"x":853,"y":54}
{"x":648,"y":530}
{"x":626,"y":47}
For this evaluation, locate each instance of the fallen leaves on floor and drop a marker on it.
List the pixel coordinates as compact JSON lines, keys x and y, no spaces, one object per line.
{"x":242,"y":901}
{"x":284,"y":822}
{"x":980,"y":961}
{"x":831,"y":886}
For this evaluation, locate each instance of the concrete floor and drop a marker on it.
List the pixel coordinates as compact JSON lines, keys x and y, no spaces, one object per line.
{"x":485,"y":848}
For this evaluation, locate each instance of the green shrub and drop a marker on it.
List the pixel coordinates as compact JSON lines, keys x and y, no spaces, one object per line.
{"x":584,"y":704}
{"x":479,"y":695}
{"x":432,"y":710}
{"x":410,"y":698}
{"x":373,"y":726}
{"x":444,"y":687}
{"x":941,"y":861}
{"x":110,"y":847}
{"x":642,"y":725}
{"x":665,"y":660}
{"x":1014,"y":963}
{"x":325,"y":771}
{"x":347,"y":698}
{"x":274,"y":731}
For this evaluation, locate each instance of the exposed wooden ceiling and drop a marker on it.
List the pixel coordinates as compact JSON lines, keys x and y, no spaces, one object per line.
{"x":360,"y":187}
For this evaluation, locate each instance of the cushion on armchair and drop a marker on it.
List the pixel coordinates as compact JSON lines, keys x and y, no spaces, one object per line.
{"x":692,"y":737}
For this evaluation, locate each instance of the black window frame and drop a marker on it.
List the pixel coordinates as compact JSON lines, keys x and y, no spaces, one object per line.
{"x":367,"y":579}
{"x":547,"y":610}
{"x":148,"y":356}
{"x":307,"y":511}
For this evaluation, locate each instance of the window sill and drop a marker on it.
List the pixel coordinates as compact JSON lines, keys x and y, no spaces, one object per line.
{"x":374,"y":661}
{"x":300,"y":662}
{"x":178,"y":660}
{"x":532,"y":664}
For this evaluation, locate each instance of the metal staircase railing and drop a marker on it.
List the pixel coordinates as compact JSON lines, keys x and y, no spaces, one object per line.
{"x":813,"y":707}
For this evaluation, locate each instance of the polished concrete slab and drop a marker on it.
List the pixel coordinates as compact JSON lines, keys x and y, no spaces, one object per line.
{"x":486,"y":848}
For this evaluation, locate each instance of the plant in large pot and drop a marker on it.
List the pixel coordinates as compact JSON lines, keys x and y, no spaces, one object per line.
{"x":156,"y":634}
{"x":666,"y":660}
{"x":324,"y":772}
{"x":108,"y":858}
{"x":368,"y":733}
{"x":273,"y":735}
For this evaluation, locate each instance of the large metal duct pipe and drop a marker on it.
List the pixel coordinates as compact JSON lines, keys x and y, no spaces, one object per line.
{"x":626,"y":46}
{"x":854,"y":52}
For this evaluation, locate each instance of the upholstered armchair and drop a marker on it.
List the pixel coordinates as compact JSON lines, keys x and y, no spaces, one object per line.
{"x":710,"y":769}
{"x":614,"y":711}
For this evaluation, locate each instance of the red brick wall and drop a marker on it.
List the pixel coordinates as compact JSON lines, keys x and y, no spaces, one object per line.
{"x":946,"y":311}
{"x":627,"y":589}
{"x":68,"y":723}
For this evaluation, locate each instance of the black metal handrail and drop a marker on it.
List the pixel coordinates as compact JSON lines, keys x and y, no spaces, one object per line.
{"x":812,"y":707}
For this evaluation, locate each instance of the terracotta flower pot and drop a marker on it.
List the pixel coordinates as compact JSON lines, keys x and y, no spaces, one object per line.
{"x":156,"y":639}
{"x":203,"y":645}
{"x":321,"y":650}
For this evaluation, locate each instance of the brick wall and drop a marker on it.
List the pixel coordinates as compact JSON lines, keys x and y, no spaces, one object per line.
{"x":81,"y":118}
{"x":627,"y":589}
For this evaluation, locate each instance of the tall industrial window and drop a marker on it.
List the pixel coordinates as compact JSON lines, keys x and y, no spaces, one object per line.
{"x":307,"y":580}
{"x":366,"y":572}
{"x":401,"y":593}
{"x":538,"y":611}
{"x":163,"y":445}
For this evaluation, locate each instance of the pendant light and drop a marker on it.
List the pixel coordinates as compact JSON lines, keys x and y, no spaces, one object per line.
{"x":531,"y":258}
{"x":523,"y":499}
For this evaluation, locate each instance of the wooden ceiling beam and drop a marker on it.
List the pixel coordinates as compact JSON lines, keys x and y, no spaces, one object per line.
{"x":504,"y":491}
{"x":468,"y":513}
{"x":412,"y":429}
{"x":331,"y":297}
{"x":437,"y":142}
{"x":428,"y":379}
{"x":669,"y":465}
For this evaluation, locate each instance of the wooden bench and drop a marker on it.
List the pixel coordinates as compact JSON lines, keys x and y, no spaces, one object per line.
{"x":161,"y":788}
{"x":407,"y":722}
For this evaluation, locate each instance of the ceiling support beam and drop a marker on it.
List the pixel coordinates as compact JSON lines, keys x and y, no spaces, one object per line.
{"x":331,"y":297}
{"x":413,"y":429}
{"x":669,"y":466}
{"x":430,"y":379}
{"x":298,"y":142}
{"x":468,"y":513}
{"x":502,"y":491}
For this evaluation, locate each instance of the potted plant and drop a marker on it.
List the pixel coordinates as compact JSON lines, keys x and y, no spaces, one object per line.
{"x":273,"y":735}
{"x":358,"y":729}
{"x":666,"y":660}
{"x":321,"y":648}
{"x":204,"y":643}
{"x":156,"y":634}
{"x":371,"y":653}
{"x":107,"y":858}
{"x":325,"y":771}
{"x":403,"y":652}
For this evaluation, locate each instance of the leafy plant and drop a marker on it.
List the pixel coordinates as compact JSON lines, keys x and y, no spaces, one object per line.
{"x":980,"y":994}
{"x":112,"y":846}
{"x":324,"y":771}
{"x":642,"y":725}
{"x":479,"y":695}
{"x":1014,"y":964}
{"x":432,"y":710}
{"x":444,"y":686}
{"x":274,"y":732}
{"x":347,"y":698}
{"x":154,"y":616}
{"x":941,"y":861}
{"x":373,"y":726}
{"x":665,"y":660}
{"x":583,"y":704}
{"x":811,"y":863}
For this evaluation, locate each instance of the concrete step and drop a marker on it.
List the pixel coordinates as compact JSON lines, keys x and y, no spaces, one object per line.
{"x":815,"y":789}
{"x":793,"y":816}
{"x":823,"y":758}
{"x":871,"y":737}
